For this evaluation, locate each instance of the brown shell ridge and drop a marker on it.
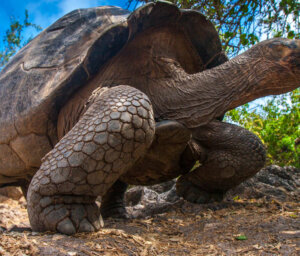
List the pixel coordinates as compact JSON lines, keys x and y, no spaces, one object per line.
{"x":198,"y":28}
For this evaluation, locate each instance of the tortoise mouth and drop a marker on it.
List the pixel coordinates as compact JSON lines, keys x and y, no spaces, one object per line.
{"x":293,"y":55}
{"x":295,"y":59}
{"x":292,"y":60}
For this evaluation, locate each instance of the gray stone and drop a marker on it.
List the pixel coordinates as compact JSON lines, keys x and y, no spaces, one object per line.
{"x":11,"y":192}
{"x":280,"y":183}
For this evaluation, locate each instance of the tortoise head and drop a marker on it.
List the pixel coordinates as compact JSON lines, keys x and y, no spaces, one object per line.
{"x":281,"y":64}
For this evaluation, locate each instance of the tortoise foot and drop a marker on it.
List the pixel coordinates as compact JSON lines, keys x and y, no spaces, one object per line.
{"x":112,"y":204}
{"x":81,"y":218}
{"x":64,"y":215}
{"x":115,"y":212}
{"x":196,"y":194}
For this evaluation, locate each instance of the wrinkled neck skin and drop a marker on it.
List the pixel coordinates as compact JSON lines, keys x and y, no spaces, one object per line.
{"x":201,"y":97}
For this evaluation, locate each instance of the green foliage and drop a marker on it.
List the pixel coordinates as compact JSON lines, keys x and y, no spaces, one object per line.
{"x":240,"y":23}
{"x":277,"y":123}
{"x":241,"y":237}
{"x":13,"y":39}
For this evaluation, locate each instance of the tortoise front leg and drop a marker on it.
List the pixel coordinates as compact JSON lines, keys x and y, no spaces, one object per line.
{"x":233,"y":155}
{"x":88,"y":160}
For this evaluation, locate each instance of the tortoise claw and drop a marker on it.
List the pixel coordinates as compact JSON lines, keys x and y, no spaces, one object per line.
{"x":66,"y":227}
{"x":196,"y":194}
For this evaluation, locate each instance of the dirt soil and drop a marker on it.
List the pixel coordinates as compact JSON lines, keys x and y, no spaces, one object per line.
{"x":237,"y":227}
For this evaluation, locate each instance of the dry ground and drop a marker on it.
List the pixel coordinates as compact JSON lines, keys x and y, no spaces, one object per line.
{"x":238,"y":227}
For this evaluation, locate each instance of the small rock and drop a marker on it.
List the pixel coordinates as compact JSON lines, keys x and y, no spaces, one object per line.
{"x":11,"y":192}
{"x":281,"y":183}
{"x":72,"y":253}
{"x":162,"y":187}
{"x":3,"y":199}
{"x":134,"y":195}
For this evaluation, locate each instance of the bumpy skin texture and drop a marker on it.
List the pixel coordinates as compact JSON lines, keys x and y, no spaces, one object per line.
{"x":233,"y":155}
{"x":89,"y":159}
{"x":162,"y":162}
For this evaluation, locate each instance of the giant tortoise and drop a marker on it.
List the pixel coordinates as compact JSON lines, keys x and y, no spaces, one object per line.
{"x":104,"y":98}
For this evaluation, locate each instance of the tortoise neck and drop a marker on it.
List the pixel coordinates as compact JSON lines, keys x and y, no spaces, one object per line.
{"x":204,"y":96}
{"x":233,"y":83}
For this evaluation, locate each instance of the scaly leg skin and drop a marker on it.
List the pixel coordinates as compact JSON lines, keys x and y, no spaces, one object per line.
{"x":113,"y":133}
{"x":159,"y":162}
{"x":233,"y":155}
{"x":112,"y":203}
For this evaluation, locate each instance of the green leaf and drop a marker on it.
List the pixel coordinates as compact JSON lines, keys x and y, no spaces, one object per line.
{"x":241,"y":237}
{"x":291,"y":35}
{"x":196,"y":165}
{"x":228,"y":34}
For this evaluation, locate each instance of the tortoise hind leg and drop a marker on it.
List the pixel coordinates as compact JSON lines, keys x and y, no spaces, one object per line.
{"x":233,"y":155}
{"x":112,"y":203}
{"x":162,"y":161}
{"x":88,"y":160}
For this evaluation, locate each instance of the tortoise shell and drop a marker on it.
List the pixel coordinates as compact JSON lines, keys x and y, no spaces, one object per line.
{"x":61,"y":60}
